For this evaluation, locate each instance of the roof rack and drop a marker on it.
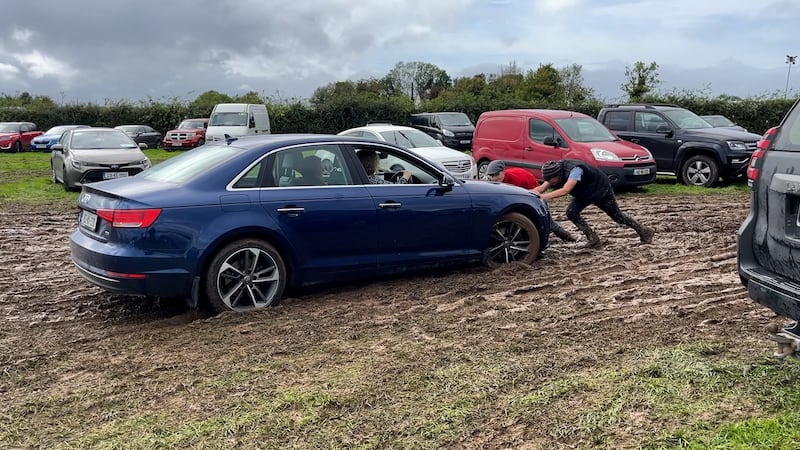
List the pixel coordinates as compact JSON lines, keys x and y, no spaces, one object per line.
{"x":646,"y":105}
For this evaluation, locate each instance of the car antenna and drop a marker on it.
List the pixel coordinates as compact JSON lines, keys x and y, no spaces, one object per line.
{"x":229,"y":138}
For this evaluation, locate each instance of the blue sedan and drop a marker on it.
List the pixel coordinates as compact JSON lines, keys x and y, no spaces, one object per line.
{"x":44,"y":142}
{"x":235,"y":223}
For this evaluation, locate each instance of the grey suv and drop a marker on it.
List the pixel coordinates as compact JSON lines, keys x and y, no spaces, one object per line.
{"x":769,"y":238}
{"x":682,"y":143}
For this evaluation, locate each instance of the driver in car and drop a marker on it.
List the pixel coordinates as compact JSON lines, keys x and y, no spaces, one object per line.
{"x":370,"y":160}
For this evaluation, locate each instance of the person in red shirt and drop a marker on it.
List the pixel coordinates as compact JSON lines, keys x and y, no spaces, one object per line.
{"x":497,"y":171}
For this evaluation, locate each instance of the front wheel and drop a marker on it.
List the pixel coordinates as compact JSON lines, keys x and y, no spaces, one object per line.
{"x":700,"y":170}
{"x":245,"y":275}
{"x":514,"y":238}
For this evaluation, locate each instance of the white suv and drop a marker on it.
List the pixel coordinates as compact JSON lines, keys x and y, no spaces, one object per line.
{"x":459,"y":164}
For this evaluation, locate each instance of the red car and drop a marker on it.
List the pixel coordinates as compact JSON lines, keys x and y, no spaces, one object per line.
{"x":528,"y":138}
{"x":190,"y":133}
{"x":16,"y":136}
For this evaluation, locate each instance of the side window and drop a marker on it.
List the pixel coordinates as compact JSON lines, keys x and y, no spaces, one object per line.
{"x":539,"y":130}
{"x":250,"y":179}
{"x":318,"y":165}
{"x":357,"y":133}
{"x":648,"y":122}
{"x":385,"y":166}
{"x":617,"y":120}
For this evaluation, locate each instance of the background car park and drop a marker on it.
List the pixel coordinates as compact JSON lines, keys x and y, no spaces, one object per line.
{"x":459,"y":164}
{"x":87,"y":155}
{"x":17,"y":136}
{"x":142,"y":134}
{"x":188,"y":228}
{"x":42,"y":143}
{"x":190,"y":133}
{"x":717,"y":120}
{"x":452,"y":129}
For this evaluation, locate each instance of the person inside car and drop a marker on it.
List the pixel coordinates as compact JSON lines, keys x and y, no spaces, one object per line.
{"x":587,"y":186}
{"x":497,"y":171}
{"x":370,"y":161}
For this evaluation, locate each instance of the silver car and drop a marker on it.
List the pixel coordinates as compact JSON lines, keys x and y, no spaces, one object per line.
{"x":86,"y":155}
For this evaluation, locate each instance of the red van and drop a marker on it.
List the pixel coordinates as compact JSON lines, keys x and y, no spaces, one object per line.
{"x":530,"y":137}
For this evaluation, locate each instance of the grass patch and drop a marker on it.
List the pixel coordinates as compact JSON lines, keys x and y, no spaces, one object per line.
{"x":667,"y":185}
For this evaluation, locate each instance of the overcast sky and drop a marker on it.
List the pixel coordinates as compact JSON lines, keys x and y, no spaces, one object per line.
{"x":98,"y":50}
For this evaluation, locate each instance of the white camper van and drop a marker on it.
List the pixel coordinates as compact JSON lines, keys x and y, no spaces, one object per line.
{"x":237,"y":119}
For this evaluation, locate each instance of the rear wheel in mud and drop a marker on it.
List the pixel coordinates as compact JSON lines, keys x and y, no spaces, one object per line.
{"x":514,"y":238}
{"x":245,"y":275}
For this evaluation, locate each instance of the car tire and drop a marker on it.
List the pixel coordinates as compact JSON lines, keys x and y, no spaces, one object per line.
{"x":482,"y":166}
{"x":700,"y":170}
{"x":245,"y":275}
{"x":514,"y":238}
{"x":17,"y":147}
{"x":200,"y":142}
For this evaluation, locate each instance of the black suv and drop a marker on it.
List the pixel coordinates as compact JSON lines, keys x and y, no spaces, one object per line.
{"x":681,"y":142}
{"x":769,"y":239}
{"x":452,"y":129}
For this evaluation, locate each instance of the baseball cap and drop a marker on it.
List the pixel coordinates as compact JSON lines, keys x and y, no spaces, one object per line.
{"x":495,"y":167}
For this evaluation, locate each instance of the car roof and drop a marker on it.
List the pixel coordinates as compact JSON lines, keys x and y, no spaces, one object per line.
{"x":382,"y":127}
{"x":552,"y":113}
{"x":658,"y":106}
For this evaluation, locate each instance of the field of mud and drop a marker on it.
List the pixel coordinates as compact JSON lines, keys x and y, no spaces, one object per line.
{"x":77,"y":361}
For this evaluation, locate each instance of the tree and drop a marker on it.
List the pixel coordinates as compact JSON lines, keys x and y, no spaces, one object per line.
{"x":207,"y":100}
{"x":542,"y":85}
{"x":574,"y":91}
{"x":641,"y":80}
{"x":418,"y":80}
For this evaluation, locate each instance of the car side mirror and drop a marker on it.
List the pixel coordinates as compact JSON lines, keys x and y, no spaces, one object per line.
{"x":57,"y":148}
{"x":252,"y":123}
{"x":549,"y":140}
{"x":446,"y":182}
{"x":142,"y":145}
{"x":663,"y":129}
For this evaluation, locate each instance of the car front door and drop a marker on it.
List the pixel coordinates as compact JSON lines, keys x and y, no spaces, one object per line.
{"x":662,"y":144}
{"x":419,"y":222}
{"x":331,"y":225}
{"x":536,"y":151}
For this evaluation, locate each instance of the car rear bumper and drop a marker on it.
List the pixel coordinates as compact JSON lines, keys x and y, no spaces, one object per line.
{"x":625,"y":176}
{"x":774,"y":291}
{"x":108,"y":268}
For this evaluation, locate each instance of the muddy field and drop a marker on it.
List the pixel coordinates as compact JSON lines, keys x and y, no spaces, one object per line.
{"x":78,"y":362}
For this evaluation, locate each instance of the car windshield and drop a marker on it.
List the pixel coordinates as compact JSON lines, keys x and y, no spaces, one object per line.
{"x":8,"y":127}
{"x":185,"y":167}
{"x":454,"y":119}
{"x":191,"y":125}
{"x":228,"y":119}
{"x":410,"y":138}
{"x":128,"y":128}
{"x":719,"y":121}
{"x":106,"y":139}
{"x":686,"y":119}
{"x":585,"y":129}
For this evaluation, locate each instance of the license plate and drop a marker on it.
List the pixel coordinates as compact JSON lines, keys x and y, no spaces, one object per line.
{"x":110,"y":175}
{"x":41,"y":145}
{"x":88,"y":220}
{"x":465,"y":142}
{"x":641,"y":171}
{"x":176,"y":144}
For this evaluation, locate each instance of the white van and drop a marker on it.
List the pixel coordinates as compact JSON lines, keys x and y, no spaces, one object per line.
{"x":237,"y":119}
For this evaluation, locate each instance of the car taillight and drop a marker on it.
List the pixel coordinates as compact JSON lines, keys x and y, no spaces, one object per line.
{"x":129,"y":218}
{"x":761,"y":147}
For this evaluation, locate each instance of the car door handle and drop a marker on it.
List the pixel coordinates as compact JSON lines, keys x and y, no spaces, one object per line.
{"x":528,"y":149}
{"x":291,"y":210}
{"x":390,"y":205}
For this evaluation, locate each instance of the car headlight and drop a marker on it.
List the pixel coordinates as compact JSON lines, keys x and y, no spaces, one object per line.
{"x":189,"y":135}
{"x":737,"y":145}
{"x":448,"y":133}
{"x":78,"y":164}
{"x":145,"y":163}
{"x":602,"y":154}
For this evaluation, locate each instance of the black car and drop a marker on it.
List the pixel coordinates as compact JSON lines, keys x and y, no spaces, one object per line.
{"x":769,"y":238}
{"x":682,"y":143}
{"x":142,"y":134}
{"x":452,"y":129}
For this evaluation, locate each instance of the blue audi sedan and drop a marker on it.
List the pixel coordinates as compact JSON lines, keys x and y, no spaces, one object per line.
{"x":235,"y":223}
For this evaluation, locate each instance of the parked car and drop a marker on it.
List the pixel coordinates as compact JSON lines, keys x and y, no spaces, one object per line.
{"x":459,"y":164}
{"x":86,"y":155}
{"x":17,"y":136}
{"x":142,"y":134}
{"x":768,"y":251}
{"x":716,"y":120}
{"x":237,"y":223}
{"x":528,"y":138}
{"x":43,"y":142}
{"x":682,"y":143}
{"x":453,"y":129}
{"x":190,"y":133}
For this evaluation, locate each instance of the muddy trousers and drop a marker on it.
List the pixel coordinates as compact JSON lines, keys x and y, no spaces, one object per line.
{"x":608,"y":204}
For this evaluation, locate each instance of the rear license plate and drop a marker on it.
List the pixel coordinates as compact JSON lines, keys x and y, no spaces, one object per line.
{"x":641,"y":171}
{"x":88,"y":220}
{"x":110,"y":175}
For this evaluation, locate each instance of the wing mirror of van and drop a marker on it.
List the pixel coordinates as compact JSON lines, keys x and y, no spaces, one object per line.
{"x":549,"y":140}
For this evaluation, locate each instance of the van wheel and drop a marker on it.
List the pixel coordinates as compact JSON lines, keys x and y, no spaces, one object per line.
{"x":700,"y":170}
{"x":514,"y":238}
{"x":482,"y":166}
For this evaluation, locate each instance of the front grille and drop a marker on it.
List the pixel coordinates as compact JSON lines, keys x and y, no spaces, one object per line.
{"x":462,"y":166}
{"x":90,"y":176}
{"x":637,"y":159}
{"x":180,"y":136}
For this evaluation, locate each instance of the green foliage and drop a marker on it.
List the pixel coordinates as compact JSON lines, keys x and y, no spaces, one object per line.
{"x":417,"y":80}
{"x":641,"y":80}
